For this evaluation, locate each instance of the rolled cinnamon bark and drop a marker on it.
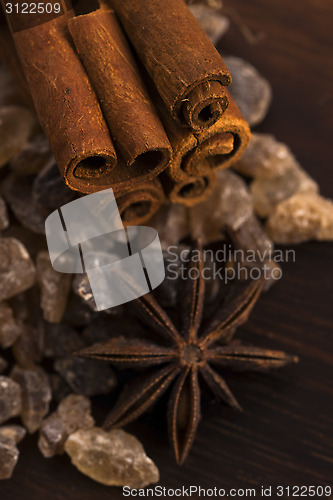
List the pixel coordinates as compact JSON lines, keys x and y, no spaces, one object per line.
{"x":222,"y":144}
{"x":231,"y":133}
{"x":135,"y":127}
{"x":140,"y":204}
{"x":219,"y":145}
{"x":192,"y":190}
{"x":66,"y":104}
{"x":183,"y":142}
{"x":187,"y":70}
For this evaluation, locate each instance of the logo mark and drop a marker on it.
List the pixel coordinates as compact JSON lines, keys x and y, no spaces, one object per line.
{"x":87,"y":235}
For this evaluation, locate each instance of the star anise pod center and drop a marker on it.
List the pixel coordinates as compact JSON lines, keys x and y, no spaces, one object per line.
{"x":191,"y":354}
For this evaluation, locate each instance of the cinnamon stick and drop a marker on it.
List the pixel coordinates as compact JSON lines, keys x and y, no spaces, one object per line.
{"x":223,"y":144}
{"x":140,"y":204}
{"x":66,"y":103}
{"x":192,"y":190}
{"x":217,"y":146}
{"x":135,"y":127}
{"x":232,"y":132}
{"x":187,"y":70}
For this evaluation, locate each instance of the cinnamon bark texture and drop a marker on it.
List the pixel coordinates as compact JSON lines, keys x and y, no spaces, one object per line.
{"x":67,"y":105}
{"x":222,"y":144}
{"x":192,"y":190}
{"x":188,"y":72}
{"x":140,"y":204}
{"x":135,"y":127}
{"x":231,"y":133}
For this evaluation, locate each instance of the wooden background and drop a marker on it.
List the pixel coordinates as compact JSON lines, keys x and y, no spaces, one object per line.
{"x":284,"y":436}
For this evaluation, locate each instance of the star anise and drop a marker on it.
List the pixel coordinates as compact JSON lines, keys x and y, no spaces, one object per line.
{"x":184,"y":354}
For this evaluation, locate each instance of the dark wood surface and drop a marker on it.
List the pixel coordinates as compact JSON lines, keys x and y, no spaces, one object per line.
{"x":284,"y":436}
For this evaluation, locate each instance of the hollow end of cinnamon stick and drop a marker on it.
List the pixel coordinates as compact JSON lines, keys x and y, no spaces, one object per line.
{"x":215,"y":149}
{"x":144,"y":169}
{"x":192,"y":191}
{"x":204,"y":105}
{"x":90,"y":172}
{"x":139,"y":205}
{"x":91,"y":166}
{"x":152,"y":160}
{"x":137,"y":211}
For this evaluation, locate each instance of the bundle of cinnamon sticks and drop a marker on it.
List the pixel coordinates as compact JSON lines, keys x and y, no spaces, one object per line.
{"x":131,"y":96}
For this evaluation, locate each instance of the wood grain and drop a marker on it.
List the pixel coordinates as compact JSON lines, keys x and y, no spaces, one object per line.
{"x":284,"y":435}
